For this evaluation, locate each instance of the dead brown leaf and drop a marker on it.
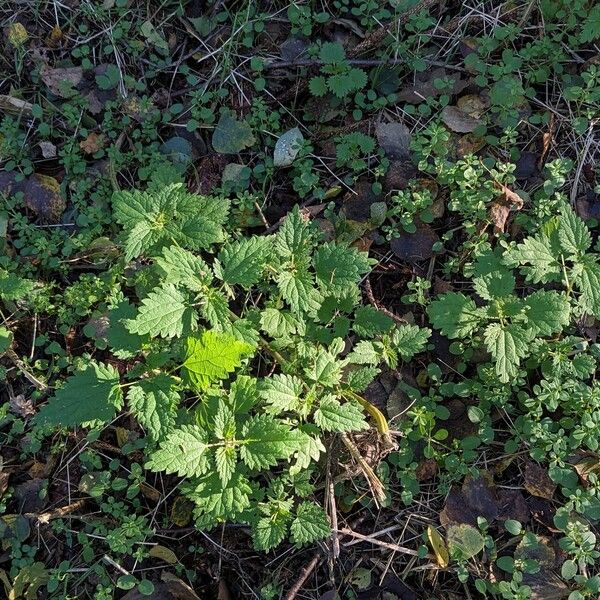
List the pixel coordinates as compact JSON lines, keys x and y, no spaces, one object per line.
{"x":537,"y":481}
{"x":459,"y":121}
{"x":62,"y":80}
{"x":502,"y":206}
{"x":92,"y":143}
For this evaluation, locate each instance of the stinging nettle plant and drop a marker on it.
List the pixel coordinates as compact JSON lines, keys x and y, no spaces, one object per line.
{"x":237,"y":355}
{"x":506,"y":324}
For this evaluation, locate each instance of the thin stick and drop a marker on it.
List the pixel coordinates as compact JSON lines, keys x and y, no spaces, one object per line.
{"x":376,"y":542}
{"x":41,"y":386}
{"x":304,"y":575}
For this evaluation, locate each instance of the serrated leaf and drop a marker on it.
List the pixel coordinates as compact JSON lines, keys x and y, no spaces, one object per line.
{"x":409,"y":340}
{"x":154,"y":403}
{"x":90,"y":395}
{"x":158,"y":218}
{"x":131,"y":207}
{"x":226,"y":462}
{"x":162,"y":313}
{"x":359,"y":379}
{"x":498,"y":284}
{"x":454,"y":314}
{"x":318,"y":86}
{"x":370,"y":322}
{"x":183,"y":451}
{"x":325,"y":369}
{"x":507,"y":345}
{"x":297,"y":289}
{"x":122,"y":342}
{"x":339,"y":268}
{"x":141,"y":238}
{"x":574,"y":236}
{"x":366,"y":353}
{"x":269,"y":532}
{"x":215,"y":309}
{"x":589,"y":284}
{"x":287,"y":147}
{"x":212,"y":356}
{"x":282,"y":393}
{"x":295,"y":236}
{"x":265,"y":441}
{"x":547,"y":312}
{"x":278,"y":323}
{"x":536,"y":256}
{"x":216,"y":503}
{"x":179,"y":266}
{"x":311,"y":524}
{"x":309,"y":449}
{"x":334,"y":416}
{"x":232,"y":136}
{"x":242,"y":262}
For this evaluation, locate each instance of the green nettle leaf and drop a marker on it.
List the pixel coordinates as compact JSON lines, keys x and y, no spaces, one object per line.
{"x":547,"y":312}
{"x":181,"y":267}
{"x":183,"y":451}
{"x":226,"y":462}
{"x":295,"y":236}
{"x":359,"y":379}
{"x":212,"y":356}
{"x":455,"y":315}
{"x":91,"y":395}
{"x":311,"y":524}
{"x":154,"y":403}
{"x":334,"y":416}
{"x":225,"y":426}
{"x":215,"y":502}
{"x":507,"y":345}
{"x":297,"y":289}
{"x":370,"y":322}
{"x":283,"y":393}
{"x":155,"y":219}
{"x":142,"y":237}
{"x":269,"y":532}
{"x":123,"y":343}
{"x":163,"y":313}
{"x":232,"y":136}
{"x":338,"y":267}
{"x":278,"y":323}
{"x":242,"y":262}
{"x":366,"y":353}
{"x":409,"y":340}
{"x":498,"y":284}
{"x":309,"y":450}
{"x":265,"y":441}
{"x":574,"y":236}
{"x":325,"y":369}
{"x":539,"y":260}
{"x":215,"y":309}
{"x":589,"y":284}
